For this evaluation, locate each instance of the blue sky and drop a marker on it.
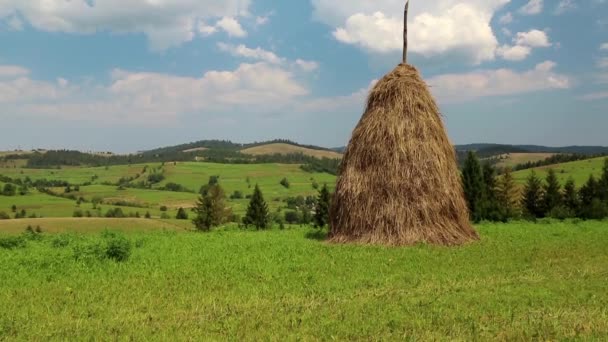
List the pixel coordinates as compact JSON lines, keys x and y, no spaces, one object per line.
{"x":126,"y":75}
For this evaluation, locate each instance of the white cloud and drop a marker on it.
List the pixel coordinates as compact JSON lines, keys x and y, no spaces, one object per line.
{"x":514,"y":53}
{"x":257,"y":53}
{"x":262,"y":20}
{"x":532,"y":7}
{"x":533,"y":38}
{"x":154,"y":98}
{"x":604,"y":46}
{"x":565,"y":6}
{"x":307,"y":65}
{"x":12,"y":71}
{"x":166,"y":23}
{"x":500,"y":82}
{"x":232,"y":27}
{"x":435,"y":27}
{"x":506,"y":19}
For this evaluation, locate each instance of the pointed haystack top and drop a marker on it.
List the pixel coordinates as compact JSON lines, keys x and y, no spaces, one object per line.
{"x":399,"y":183}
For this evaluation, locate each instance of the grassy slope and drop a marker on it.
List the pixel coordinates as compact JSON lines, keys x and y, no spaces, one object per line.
{"x":287,"y":149}
{"x":521,"y":282}
{"x":513,"y":159}
{"x":579,"y":170}
{"x":93,"y":225}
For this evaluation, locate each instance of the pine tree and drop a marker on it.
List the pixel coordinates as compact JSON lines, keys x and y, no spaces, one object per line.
{"x":322,"y":208}
{"x":472,"y":181}
{"x":509,"y":196}
{"x":533,"y":194}
{"x":592,"y":207}
{"x":490,"y":206}
{"x":257,"y":212}
{"x":211,"y":209}
{"x":589,"y":192}
{"x":552,"y":196}
{"x":571,"y":200}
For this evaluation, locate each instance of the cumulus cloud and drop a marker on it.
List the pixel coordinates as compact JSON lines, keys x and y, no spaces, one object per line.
{"x":166,"y":23}
{"x":436,"y":27}
{"x":257,"y":53}
{"x":12,"y":71}
{"x":514,"y":53}
{"x":306,"y":65}
{"x":500,"y":82}
{"x":533,"y":38}
{"x":532,"y":7}
{"x":232,"y":27}
{"x":155,"y":98}
{"x":604,"y":46}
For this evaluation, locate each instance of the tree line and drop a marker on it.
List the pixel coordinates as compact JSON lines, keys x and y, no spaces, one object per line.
{"x":498,"y":198}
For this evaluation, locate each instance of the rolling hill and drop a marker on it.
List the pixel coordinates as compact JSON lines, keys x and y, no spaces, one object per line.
{"x":284,"y":148}
{"x":578,"y":170}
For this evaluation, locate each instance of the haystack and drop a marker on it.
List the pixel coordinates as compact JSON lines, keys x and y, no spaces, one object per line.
{"x":399,"y":182}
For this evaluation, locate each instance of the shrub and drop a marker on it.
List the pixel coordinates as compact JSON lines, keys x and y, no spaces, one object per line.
{"x":285,"y":183}
{"x":4,"y":216}
{"x":181,"y":214}
{"x":12,"y":242}
{"x":292,"y":217}
{"x":237,"y":195}
{"x":118,"y":248}
{"x":148,"y":215}
{"x":163,"y":208}
{"x":78,"y":213}
{"x":111,"y":247}
{"x":115,"y":213}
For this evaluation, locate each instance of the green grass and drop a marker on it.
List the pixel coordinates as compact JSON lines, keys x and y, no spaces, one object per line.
{"x":521,"y":282}
{"x":579,"y":171}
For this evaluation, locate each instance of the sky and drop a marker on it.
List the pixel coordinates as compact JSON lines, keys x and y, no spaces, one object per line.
{"x":129,"y":75}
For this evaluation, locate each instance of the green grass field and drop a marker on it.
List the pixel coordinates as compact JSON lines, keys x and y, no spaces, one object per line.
{"x":190,"y":175}
{"x":522,"y":281}
{"x":579,"y":171}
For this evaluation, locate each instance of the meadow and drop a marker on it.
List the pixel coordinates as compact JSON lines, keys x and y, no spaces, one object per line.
{"x":522,"y":281}
{"x":578,"y":170}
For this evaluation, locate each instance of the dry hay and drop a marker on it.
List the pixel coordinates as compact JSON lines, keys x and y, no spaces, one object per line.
{"x":399,"y":182}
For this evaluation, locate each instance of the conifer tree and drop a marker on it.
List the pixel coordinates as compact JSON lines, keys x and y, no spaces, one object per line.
{"x":257,"y":212}
{"x":322,"y":207}
{"x":603,"y":183}
{"x":181,"y":214}
{"x":472,"y":182}
{"x":533,"y":195}
{"x":490,"y":206}
{"x":509,"y":196}
{"x":211,"y":210}
{"x":552,"y":197}
{"x":571,"y":200}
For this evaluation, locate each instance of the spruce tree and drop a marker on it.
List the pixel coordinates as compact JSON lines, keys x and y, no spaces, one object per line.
{"x":181,"y":214}
{"x":592,"y":207}
{"x":322,"y":208}
{"x":211,"y":209}
{"x":490,"y":205}
{"x":257,"y":212}
{"x":552,"y":196}
{"x":472,"y":181}
{"x":533,"y":195}
{"x":571,"y":200}
{"x":508,"y":195}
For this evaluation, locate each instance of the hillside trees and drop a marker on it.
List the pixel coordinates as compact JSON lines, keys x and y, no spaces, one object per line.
{"x":473,"y":185}
{"x":508,"y":195}
{"x":321,"y":218}
{"x":552,"y":197}
{"x":533,"y":196}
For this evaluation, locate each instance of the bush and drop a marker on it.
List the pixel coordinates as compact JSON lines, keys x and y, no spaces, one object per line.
{"x":4,"y":216}
{"x":111,"y":247}
{"x":115,"y":213}
{"x":118,"y":248}
{"x":561,"y":212}
{"x":9,"y":190}
{"x":181,"y":214}
{"x":164,"y":208}
{"x":148,"y":216}
{"x":237,"y":195}
{"x":12,"y":242}
{"x":285,"y":183}
{"x":292,"y":217}
{"x":78,"y":213}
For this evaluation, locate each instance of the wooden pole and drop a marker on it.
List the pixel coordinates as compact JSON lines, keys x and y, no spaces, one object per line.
{"x":407,"y":5}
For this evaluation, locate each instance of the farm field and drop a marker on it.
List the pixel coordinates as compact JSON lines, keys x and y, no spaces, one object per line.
{"x":288,"y":149}
{"x":578,"y":170}
{"x":522,"y":281}
{"x":513,"y":159}
{"x":94,"y":184}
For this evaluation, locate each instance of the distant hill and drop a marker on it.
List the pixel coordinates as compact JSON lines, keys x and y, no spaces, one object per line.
{"x":495,"y":149}
{"x":283,"y":148}
{"x":578,"y":170}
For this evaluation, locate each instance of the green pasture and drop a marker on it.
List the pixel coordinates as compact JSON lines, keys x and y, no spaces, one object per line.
{"x":578,"y":170}
{"x":521,"y":282}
